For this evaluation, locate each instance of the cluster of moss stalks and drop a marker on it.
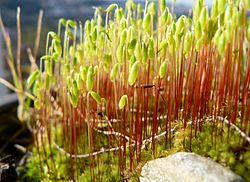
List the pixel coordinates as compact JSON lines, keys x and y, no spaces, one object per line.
{"x":111,"y":92}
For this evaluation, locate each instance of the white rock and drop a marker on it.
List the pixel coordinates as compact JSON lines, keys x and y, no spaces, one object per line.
{"x":186,"y":167}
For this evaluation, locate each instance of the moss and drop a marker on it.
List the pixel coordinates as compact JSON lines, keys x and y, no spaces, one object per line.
{"x":226,"y":148}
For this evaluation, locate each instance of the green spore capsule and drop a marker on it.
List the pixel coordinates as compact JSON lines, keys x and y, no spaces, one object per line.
{"x":94,"y":34}
{"x":187,"y":42}
{"x":123,"y":24}
{"x":248,"y":32}
{"x":72,"y":23}
{"x":222,"y":44}
{"x":197,"y":30}
{"x":163,"y":46}
{"x":163,"y":69}
{"x":131,"y":46}
{"x":54,"y":36}
{"x":73,"y":99}
{"x":96,"y":97}
{"x":119,"y":53}
{"x":180,"y":25}
{"x":217,"y":37}
{"x":164,"y":16}
{"x":138,"y":51}
{"x":197,"y":10}
{"x":111,"y":7}
{"x":92,"y":24}
{"x":177,"y":40}
{"x":120,"y":14}
{"x":133,"y":74}
{"x":228,"y":13}
{"x":69,"y":81}
{"x":132,"y":61}
{"x":151,"y":49}
{"x":32,"y":78}
{"x":47,"y":82}
{"x":133,"y":23}
{"x":62,"y":21}
{"x":101,"y":40}
{"x":204,"y":17}
{"x":123,"y":101}
{"x":152,"y":9}
{"x":228,"y":32}
{"x":235,"y":18}
{"x":114,"y":72}
{"x":146,"y":24}
{"x":123,"y":37}
{"x":163,"y":4}
{"x":198,"y":44}
{"x":96,"y":68}
{"x":221,"y":5}
{"x":58,"y":48}
{"x":46,"y":57}
{"x":75,"y":88}
{"x":87,"y":27}
{"x":56,"y":57}
{"x":144,"y":53}
{"x":131,"y":33}
{"x":36,"y":89}
{"x":90,"y":79}
{"x":83,"y":73}
{"x":79,"y":56}
{"x":66,"y":69}
{"x":107,"y":61}
{"x":37,"y":104}
{"x":139,"y":9}
{"x":79,"y":81}
{"x":48,"y":67}
{"x":214,"y":10}
{"x":173,"y":28}
{"x":69,"y":34}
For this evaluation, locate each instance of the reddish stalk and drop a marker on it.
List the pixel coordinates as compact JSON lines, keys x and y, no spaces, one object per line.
{"x":155,"y":121}
{"x":131,"y":132}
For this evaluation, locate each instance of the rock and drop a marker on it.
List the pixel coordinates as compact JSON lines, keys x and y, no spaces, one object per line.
{"x":186,"y":167}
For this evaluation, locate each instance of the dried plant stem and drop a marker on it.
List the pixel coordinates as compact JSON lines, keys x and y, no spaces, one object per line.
{"x":19,"y":40}
{"x":38,"y":33}
{"x":13,"y":88}
{"x":149,"y":140}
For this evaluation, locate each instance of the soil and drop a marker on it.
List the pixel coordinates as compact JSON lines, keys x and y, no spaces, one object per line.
{"x":15,"y":138}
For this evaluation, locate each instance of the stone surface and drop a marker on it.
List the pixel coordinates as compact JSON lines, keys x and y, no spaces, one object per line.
{"x":186,"y":167}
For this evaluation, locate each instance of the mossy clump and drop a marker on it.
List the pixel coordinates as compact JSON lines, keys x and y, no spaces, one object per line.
{"x":224,"y":146}
{"x":118,"y":84}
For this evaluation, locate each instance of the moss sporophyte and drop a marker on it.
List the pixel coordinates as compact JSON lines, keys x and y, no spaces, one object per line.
{"x":136,"y":82}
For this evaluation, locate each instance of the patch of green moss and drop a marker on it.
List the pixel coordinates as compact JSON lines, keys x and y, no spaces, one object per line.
{"x":223,"y":146}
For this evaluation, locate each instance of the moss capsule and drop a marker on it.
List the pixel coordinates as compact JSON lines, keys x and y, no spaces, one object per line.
{"x":114,"y":72}
{"x":163,"y":69}
{"x":133,"y":74}
{"x":123,"y":101}
{"x":96,"y":97}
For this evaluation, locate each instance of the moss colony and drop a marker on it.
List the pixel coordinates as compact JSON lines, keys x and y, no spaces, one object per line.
{"x":137,"y":83}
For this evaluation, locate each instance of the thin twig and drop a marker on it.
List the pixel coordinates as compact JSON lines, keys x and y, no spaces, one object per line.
{"x":146,"y":141}
{"x":231,"y":124}
{"x":38,"y":33}
{"x":112,"y":133}
{"x":19,"y":39}
{"x":13,"y":88}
